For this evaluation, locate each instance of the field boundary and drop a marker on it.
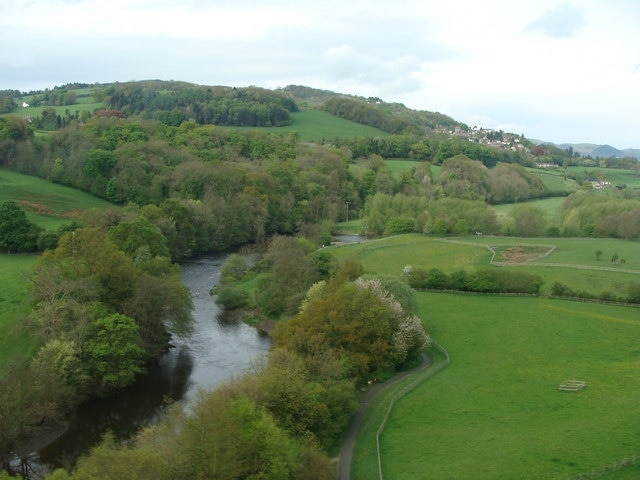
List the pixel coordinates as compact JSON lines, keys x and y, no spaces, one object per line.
{"x":606,"y":470}
{"x":421,"y":377}
{"x":535,"y":261}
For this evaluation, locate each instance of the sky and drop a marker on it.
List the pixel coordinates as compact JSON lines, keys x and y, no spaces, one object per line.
{"x":558,"y":71}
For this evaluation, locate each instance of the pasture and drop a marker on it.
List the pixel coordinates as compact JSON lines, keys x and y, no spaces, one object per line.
{"x":614,"y":175}
{"x":496,"y":411}
{"x":318,"y":125}
{"x":46,"y":204}
{"x":572,"y":261}
{"x":551,"y":205}
{"x":15,"y":343}
{"x":399,"y":166}
{"x":556,"y":181}
{"x":84,"y":103}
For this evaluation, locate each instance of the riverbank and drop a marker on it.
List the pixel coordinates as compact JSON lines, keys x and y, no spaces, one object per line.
{"x":35,"y":440}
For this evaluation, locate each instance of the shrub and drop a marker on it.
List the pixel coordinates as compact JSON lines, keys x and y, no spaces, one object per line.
{"x":417,"y":278}
{"x":504,"y":281}
{"x":436,"y":279}
{"x":458,"y":280}
{"x":559,"y":289}
{"x":232,"y":297}
{"x":633,"y":292}
{"x":234,"y":269}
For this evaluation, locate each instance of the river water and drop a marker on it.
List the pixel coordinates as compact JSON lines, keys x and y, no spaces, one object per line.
{"x":215,"y":351}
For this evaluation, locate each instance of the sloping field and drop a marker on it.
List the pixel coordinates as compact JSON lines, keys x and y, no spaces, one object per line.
{"x":47,"y":204}
{"x":317,"y":125}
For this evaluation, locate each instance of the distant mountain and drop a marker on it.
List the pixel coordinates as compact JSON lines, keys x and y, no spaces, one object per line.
{"x":595,"y":151}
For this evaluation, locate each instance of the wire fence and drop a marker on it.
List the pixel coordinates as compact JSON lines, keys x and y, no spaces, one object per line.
{"x":419,"y":378}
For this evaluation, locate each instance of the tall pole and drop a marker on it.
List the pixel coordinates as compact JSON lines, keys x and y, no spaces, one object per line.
{"x":347,"y":203}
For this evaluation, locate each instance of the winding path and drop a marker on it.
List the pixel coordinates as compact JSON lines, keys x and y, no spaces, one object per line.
{"x":349,"y":441}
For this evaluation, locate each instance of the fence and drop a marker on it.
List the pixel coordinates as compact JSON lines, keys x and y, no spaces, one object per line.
{"x":420,"y":377}
{"x":606,"y":470}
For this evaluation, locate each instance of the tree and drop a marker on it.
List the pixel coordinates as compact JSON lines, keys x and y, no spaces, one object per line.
{"x":232,"y":438}
{"x":88,"y":254}
{"x":17,"y":233}
{"x":29,"y":397}
{"x":138,"y":238}
{"x":112,"y":353}
{"x":309,"y":402}
{"x":462,"y":177}
{"x":529,"y":220}
{"x":354,"y":322}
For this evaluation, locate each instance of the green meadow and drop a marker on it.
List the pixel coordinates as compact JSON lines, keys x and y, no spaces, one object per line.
{"x":318,"y":125}
{"x":572,"y":261}
{"x":496,"y":412}
{"x":556,"y":181}
{"x":617,"y":176}
{"x":15,"y":343}
{"x":47,"y":204}
{"x":551,"y":205}
{"x":398,"y":166}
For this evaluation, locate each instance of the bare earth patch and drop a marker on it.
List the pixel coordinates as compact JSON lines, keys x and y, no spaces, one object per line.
{"x":521,"y":254}
{"x":42,"y":209}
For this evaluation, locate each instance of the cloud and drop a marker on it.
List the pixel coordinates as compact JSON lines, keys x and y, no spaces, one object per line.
{"x":560,"y":22}
{"x":346,"y":65}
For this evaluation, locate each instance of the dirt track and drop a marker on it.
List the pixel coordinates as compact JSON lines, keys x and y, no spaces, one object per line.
{"x":349,"y":441}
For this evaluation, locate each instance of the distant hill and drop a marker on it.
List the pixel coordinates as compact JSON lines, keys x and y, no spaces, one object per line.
{"x":173,"y":102}
{"x":594,"y":150}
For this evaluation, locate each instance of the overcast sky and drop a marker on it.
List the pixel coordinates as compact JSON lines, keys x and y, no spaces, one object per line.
{"x":552,"y":70}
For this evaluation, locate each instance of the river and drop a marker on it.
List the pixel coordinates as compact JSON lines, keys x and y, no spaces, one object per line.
{"x":212,"y":353}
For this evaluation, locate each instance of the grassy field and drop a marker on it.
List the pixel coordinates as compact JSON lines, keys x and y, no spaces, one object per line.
{"x":551,"y":205}
{"x":571,"y":261}
{"x":398,"y":166}
{"x":496,"y":411}
{"x":47,"y":204}
{"x":614,"y":175}
{"x":14,"y":342}
{"x":316,"y":125}
{"x":555,"y":180}
{"x":84,"y":102}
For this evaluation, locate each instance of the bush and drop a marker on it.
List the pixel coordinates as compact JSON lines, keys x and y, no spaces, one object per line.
{"x":234,"y":269}
{"x":633,"y":292}
{"x":417,"y":278}
{"x":559,"y":289}
{"x":436,"y":279}
{"x":398,"y":226}
{"x":504,"y":281}
{"x":458,"y":280}
{"x":232,"y":297}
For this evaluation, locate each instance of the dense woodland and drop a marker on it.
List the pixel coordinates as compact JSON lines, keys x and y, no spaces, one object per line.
{"x":106,"y":293}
